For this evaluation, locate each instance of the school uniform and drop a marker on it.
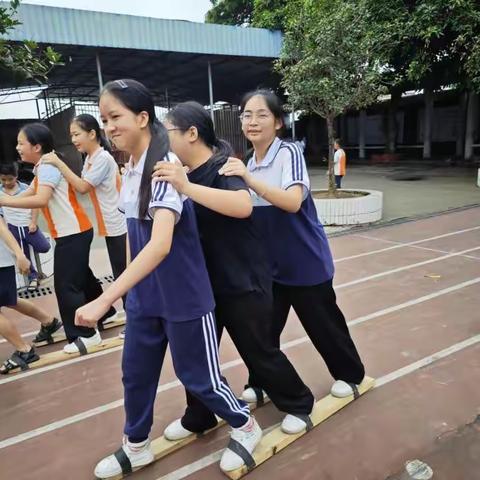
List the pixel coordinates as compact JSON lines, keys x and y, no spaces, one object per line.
{"x":8,"y":288}
{"x":339,"y":166}
{"x":302,"y":264}
{"x":74,"y":282}
{"x":172,"y":305}
{"x":18,"y":221}
{"x":242,"y":285}
{"x":101,"y":171}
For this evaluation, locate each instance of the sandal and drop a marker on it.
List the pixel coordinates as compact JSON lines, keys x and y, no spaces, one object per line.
{"x":33,"y":285}
{"x":46,"y":332}
{"x":19,"y":360}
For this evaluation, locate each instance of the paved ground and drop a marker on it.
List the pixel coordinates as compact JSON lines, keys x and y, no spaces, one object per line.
{"x":411,"y":294}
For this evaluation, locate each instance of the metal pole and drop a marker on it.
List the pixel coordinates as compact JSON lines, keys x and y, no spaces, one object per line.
{"x":167,"y":100}
{"x":292,"y":119}
{"x":210,"y":91}
{"x":38,"y":108}
{"x":99,"y":72}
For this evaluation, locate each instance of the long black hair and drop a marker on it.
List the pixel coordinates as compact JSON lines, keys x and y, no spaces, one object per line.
{"x":88,"y":123}
{"x":39,"y":134}
{"x":137,"y":98}
{"x":191,"y":114}
{"x":273,"y":102}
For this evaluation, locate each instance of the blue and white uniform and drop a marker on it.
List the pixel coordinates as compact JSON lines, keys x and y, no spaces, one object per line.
{"x":172,"y":305}
{"x":301,"y":263}
{"x":8,"y":288}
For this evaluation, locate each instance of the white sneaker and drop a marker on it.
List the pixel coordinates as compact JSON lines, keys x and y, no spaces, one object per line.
{"x":249,"y":437}
{"x":249,"y":395}
{"x":122,"y":334}
{"x":292,"y":424}
{"x":88,"y":342}
{"x":138,"y":454}
{"x":341,"y":389}
{"x":118,"y":315}
{"x":176,"y":431}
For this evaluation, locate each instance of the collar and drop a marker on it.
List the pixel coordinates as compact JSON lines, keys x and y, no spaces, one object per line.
{"x":269,"y":157}
{"x":97,"y":152}
{"x":138,"y":168}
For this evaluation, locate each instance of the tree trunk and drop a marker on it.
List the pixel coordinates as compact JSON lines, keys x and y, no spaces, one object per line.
{"x":427,"y":123}
{"x":462,"y":113}
{"x":470,"y":127}
{"x":331,"y":140}
{"x":392,"y":121}
{"x":362,"y":121}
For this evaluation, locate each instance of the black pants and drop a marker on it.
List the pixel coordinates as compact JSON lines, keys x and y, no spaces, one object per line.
{"x":247,"y":319}
{"x":338,"y":181}
{"x":74,"y":282}
{"x":322,"y":319}
{"x":117,"y":253}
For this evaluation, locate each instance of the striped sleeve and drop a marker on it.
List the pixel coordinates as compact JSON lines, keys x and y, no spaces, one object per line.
{"x":294,"y":168}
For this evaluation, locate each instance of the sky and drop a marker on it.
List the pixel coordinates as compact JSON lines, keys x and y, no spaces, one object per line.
{"x":193,"y":10}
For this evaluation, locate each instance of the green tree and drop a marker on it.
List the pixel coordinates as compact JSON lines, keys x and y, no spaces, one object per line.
{"x":22,"y":60}
{"x":270,"y":14}
{"x":328,"y":61}
{"x":230,"y":12}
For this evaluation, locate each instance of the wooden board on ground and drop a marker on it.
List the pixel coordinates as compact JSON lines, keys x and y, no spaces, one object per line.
{"x":275,"y":441}
{"x":61,"y":356}
{"x":162,"y":447}
{"x":60,"y":336}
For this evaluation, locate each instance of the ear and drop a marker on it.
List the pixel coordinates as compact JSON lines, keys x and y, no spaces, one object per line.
{"x":192,"y":134}
{"x":37,"y":148}
{"x":278,"y":124}
{"x":92,"y":135}
{"x":142,"y":119}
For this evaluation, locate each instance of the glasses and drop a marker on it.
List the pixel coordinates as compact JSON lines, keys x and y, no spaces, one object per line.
{"x":172,"y":129}
{"x":249,"y":117}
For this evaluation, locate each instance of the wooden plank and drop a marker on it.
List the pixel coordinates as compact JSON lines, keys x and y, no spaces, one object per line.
{"x":276,"y":440}
{"x":162,"y":447}
{"x":60,"y":336}
{"x":61,"y":356}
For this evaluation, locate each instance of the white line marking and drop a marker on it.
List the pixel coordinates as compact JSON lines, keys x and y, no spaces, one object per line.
{"x":214,"y":457}
{"x":399,"y":244}
{"x":226,"y":366}
{"x":406,"y":267}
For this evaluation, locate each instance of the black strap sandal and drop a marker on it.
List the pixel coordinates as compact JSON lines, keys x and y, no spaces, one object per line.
{"x":19,"y":360}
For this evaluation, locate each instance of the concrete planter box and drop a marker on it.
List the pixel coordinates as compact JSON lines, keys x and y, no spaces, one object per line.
{"x":350,"y":211}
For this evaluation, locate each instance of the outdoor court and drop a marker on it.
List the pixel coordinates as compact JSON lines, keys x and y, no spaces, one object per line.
{"x":411,"y":295}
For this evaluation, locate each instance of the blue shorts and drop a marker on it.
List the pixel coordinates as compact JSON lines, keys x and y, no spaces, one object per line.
{"x":8,"y":287}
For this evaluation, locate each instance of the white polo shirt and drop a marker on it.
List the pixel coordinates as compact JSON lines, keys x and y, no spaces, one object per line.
{"x":19,"y":217}
{"x":101,"y":171}
{"x":7,"y":259}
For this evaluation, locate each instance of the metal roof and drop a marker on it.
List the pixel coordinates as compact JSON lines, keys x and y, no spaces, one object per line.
{"x":53,"y":25}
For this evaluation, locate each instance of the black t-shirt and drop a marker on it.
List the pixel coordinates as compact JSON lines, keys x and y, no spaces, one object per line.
{"x":234,"y":253}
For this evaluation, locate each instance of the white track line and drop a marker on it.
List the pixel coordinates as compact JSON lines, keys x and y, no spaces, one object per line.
{"x":372,"y":252}
{"x":214,"y":457}
{"x":226,"y":366}
{"x":406,"y":267}
{"x":399,"y":244}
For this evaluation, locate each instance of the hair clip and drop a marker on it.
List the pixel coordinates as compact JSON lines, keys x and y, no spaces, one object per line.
{"x":121,"y":83}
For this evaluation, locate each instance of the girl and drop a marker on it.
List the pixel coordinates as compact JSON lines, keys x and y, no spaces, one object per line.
{"x":170,"y":299}
{"x":299,"y":253}
{"x":22,"y":223}
{"x":74,"y":282}
{"x":101,"y":180}
{"x":237,"y":266}
{"x":10,"y":252}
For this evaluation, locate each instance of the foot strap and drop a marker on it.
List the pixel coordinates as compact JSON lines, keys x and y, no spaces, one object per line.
{"x":356,"y":393}
{"x":81,"y":346}
{"x":123,"y":461}
{"x":306,"y":418}
{"x":243,"y":453}
{"x":17,"y":360}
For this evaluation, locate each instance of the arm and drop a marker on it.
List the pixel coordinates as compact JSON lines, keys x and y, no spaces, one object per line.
{"x":33,"y":227}
{"x":231,"y":203}
{"x":80,"y":185}
{"x":37,"y":200}
{"x":9,"y":239}
{"x":289,"y":200}
{"x":143,"y":264}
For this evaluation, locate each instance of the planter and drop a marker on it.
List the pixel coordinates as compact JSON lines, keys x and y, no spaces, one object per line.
{"x":365,"y":208}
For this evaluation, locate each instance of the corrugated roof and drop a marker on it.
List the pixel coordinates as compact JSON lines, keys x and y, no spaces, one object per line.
{"x":52,"y":25}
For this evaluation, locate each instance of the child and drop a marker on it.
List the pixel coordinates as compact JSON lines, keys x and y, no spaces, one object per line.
{"x":22,"y":223}
{"x":101,"y":180}
{"x":170,"y":299}
{"x":24,"y":353}
{"x":300,"y":256}
{"x":340,"y":163}
{"x":69,"y":225}
{"x":237,"y":266}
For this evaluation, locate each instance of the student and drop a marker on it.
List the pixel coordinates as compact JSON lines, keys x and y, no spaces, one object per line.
{"x":339,"y":163}
{"x":300,"y":256}
{"x":101,"y":180}
{"x":237,"y":266}
{"x":170,"y":299}
{"x":22,"y":223}
{"x":11,"y":253}
{"x":69,"y":225}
